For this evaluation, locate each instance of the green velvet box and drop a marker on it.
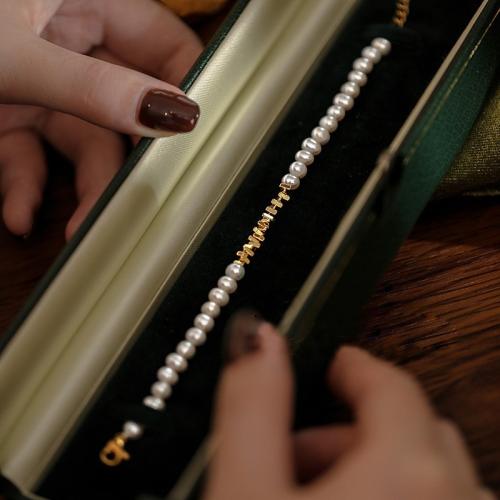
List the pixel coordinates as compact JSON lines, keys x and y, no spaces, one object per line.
{"x":86,"y":348}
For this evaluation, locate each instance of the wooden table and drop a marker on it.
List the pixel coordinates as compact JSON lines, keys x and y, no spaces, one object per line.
{"x":436,"y":312}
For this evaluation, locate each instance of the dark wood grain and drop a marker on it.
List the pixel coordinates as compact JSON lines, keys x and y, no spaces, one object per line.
{"x":437,"y":313}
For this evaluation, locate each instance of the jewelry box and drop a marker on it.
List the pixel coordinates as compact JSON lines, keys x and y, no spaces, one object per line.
{"x":85,"y":350}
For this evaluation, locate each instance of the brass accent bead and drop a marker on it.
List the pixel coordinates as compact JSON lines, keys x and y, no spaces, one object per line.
{"x":258,"y":234}
{"x":276,"y":203}
{"x":254,"y":241}
{"x":263,"y":225}
{"x":283,"y":196}
{"x":243,"y":257}
{"x":248,"y":249}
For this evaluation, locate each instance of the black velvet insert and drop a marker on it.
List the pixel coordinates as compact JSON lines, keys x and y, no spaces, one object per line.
{"x":295,"y":242}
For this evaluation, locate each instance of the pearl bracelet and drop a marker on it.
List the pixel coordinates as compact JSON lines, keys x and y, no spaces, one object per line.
{"x":177,"y":362}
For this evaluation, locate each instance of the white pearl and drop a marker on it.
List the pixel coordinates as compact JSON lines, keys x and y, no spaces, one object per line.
{"x":350,"y":88}
{"x":363,"y":64}
{"x":167,"y":374}
{"x":338,"y":112}
{"x":305,"y":157}
{"x":211,"y":309}
{"x":372,"y":53}
{"x":204,"y":322}
{"x":196,"y":336}
{"x":357,"y":77}
{"x":132,"y":430}
{"x":344,"y":100}
{"x":235,"y":271}
{"x":329,"y":122}
{"x":298,"y":169}
{"x":290,"y":181}
{"x":228,"y":284}
{"x":176,"y":362}
{"x":161,"y":389}
{"x":382,"y":44}
{"x":321,"y":135}
{"x":154,"y":403}
{"x":311,"y":145}
{"x":219,"y":296}
{"x":186,"y":349}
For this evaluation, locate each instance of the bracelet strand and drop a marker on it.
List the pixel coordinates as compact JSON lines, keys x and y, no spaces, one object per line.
{"x":177,"y":362}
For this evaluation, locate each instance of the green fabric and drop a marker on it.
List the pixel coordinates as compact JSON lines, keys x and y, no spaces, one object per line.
{"x":476,"y":170}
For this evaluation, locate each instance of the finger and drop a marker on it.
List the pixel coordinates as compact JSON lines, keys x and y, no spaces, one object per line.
{"x":36,"y":15}
{"x":148,"y":36}
{"x":20,"y":117}
{"x":486,"y":494}
{"x":317,"y":449}
{"x":388,"y":403}
{"x":85,"y":205}
{"x":41,"y":73}
{"x":450,"y":437}
{"x":97,"y":154}
{"x":22,"y":179}
{"x":252,"y":422}
{"x":106,"y":55}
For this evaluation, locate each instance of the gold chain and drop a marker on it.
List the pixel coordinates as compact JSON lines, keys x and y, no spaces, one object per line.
{"x":402,"y":12}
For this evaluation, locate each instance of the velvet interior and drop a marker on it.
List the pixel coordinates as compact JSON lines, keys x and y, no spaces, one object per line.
{"x":295,"y":242}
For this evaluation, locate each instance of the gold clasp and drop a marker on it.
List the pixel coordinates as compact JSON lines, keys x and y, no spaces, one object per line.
{"x":114,"y":452}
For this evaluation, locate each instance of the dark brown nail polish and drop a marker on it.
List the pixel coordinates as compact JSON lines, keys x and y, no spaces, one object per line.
{"x":242,"y":334}
{"x":164,"y":110}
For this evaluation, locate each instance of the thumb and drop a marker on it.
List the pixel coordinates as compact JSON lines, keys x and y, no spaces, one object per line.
{"x":102,"y":93}
{"x":253,"y":417}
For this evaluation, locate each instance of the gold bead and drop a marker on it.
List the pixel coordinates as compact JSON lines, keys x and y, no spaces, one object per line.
{"x":243,"y":257}
{"x":276,"y":203}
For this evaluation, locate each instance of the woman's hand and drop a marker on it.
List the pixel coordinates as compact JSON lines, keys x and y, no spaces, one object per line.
{"x":73,"y":70}
{"x":397,"y":448}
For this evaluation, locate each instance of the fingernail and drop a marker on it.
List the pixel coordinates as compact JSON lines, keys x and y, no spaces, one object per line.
{"x":242,"y":334}
{"x":165,"y":110}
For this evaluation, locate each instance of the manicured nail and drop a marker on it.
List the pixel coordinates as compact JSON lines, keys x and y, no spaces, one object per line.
{"x":165,"y":110}
{"x":242,"y":334}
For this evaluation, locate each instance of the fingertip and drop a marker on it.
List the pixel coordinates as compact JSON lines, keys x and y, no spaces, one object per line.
{"x":79,"y":216}
{"x":354,"y":368}
{"x":271,"y":337}
{"x":167,"y":111}
{"x":18,"y":215}
{"x":347,"y":350}
{"x":345,"y":355}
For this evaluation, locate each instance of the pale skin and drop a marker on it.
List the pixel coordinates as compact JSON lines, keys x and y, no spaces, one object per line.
{"x":397,"y":448}
{"x":74,"y":72}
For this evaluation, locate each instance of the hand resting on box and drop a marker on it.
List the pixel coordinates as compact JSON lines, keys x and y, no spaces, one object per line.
{"x":77,"y":73}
